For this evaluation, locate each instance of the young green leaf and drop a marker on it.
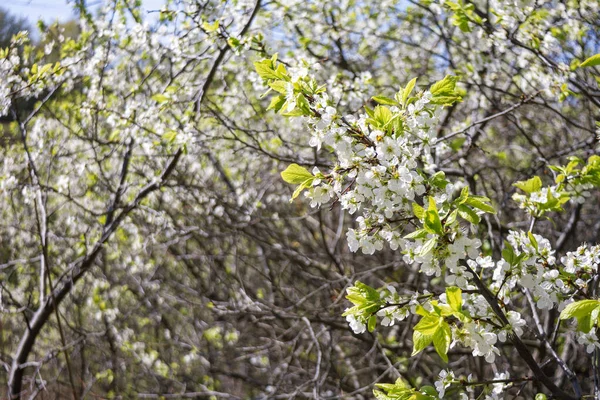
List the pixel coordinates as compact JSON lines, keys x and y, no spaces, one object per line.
{"x":579,"y":309}
{"x":433,"y":223}
{"x":591,"y":62}
{"x":428,"y":246}
{"x":372,"y":323}
{"x":476,"y":203}
{"x":279,"y":86}
{"x":385,"y":100}
{"x":508,"y":254}
{"x":265,"y":69}
{"x":429,"y":324}
{"x":276,"y":103}
{"x":444,"y":92}
{"x":408,"y":90}
{"x":296,"y":175}
{"x":418,"y":234}
{"x":418,"y":211}
{"x":529,"y":186}
{"x":420,"y":342}
{"x":464,"y":195}
{"x":454,"y":298}
{"x":533,"y":240}
{"x":441,"y":340}
{"x":304,"y":185}
{"x":468,"y":214}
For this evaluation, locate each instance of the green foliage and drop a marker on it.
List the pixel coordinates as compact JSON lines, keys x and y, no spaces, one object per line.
{"x":433,"y":224}
{"x":593,"y":61}
{"x":573,"y":174}
{"x":467,"y":213}
{"x":297,"y":175}
{"x":509,"y":255}
{"x":433,"y":327}
{"x":407,"y":91}
{"x":444,"y":92}
{"x":270,"y":69}
{"x":480,"y":203}
{"x":464,"y":15}
{"x":529,"y":186}
{"x":401,"y":390}
{"x":454,"y":298}
{"x":587,"y":313}
{"x":366,"y":300}
{"x":209,"y":28}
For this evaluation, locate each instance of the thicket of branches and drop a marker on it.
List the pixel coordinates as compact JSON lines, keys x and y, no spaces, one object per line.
{"x":149,"y":248}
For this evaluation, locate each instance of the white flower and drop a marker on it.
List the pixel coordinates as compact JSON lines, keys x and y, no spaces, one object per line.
{"x":589,"y":340}
{"x":445,"y":379}
{"x":356,"y":326}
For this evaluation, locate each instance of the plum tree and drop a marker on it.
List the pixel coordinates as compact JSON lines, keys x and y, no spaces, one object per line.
{"x":440,"y":243}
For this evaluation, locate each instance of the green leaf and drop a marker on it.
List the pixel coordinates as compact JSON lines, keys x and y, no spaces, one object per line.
{"x":464,"y":195}
{"x":439,"y":180}
{"x":371,"y":294}
{"x":295,"y":174}
{"x":418,"y":211}
{"x":429,"y":391}
{"x":160,"y":98}
{"x":418,"y":234}
{"x":533,"y":240}
{"x":276,"y":103}
{"x":366,"y":299}
{"x":585,"y":323}
{"x":441,"y":341}
{"x":379,"y":395}
{"x":476,"y":203}
{"x":454,"y":298}
{"x":579,"y":309}
{"x":444,"y":92}
{"x":420,"y":342}
{"x":372,"y":323}
{"x":429,"y":324}
{"x":408,"y":90}
{"x":529,"y":186}
{"x":266,"y":70}
{"x":279,"y":86}
{"x":403,"y":391}
{"x":302,"y":104}
{"x":428,"y":246}
{"x":432,"y":219}
{"x":451,"y":218}
{"x":468,"y":214}
{"x":446,"y":85}
{"x":508,"y":254}
{"x":210,"y":27}
{"x":385,"y":100}
{"x":296,"y":112}
{"x":591,"y":62}
{"x":382,"y":115}
{"x":304,"y":185}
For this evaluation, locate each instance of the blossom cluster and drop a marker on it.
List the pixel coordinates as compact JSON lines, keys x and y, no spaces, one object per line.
{"x":384,"y":171}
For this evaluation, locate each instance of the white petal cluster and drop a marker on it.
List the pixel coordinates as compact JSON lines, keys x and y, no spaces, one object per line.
{"x":376,"y":173}
{"x":445,"y":379}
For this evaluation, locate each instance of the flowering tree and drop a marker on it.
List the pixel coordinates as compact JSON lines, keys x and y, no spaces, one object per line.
{"x":387,"y":169}
{"x":154,"y":253}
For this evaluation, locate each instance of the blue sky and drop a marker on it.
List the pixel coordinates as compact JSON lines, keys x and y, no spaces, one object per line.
{"x":50,"y":10}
